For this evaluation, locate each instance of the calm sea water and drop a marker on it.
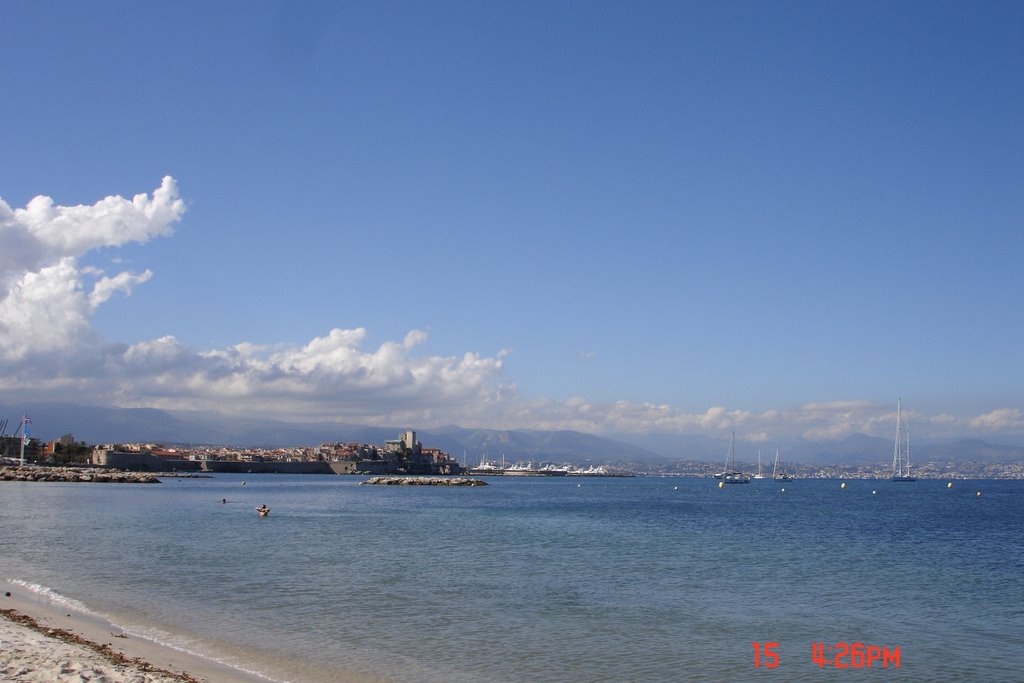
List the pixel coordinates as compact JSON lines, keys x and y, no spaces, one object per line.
{"x":561,"y":580}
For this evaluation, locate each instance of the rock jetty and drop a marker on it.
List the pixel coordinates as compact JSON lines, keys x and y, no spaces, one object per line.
{"x":90,"y":474}
{"x":425,"y":481}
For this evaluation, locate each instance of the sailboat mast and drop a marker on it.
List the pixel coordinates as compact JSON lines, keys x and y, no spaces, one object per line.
{"x":908,"y":447}
{"x":901,"y":471}
{"x":897,"y":460}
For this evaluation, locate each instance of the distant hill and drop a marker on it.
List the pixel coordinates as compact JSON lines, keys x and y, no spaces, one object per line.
{"x":856,"y":449}
{"x":148,"y":425}
{"x":973,"y":449}
{"x":95,"y":424}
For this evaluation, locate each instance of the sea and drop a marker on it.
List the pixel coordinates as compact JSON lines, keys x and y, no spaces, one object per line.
{"x":561,"y":579}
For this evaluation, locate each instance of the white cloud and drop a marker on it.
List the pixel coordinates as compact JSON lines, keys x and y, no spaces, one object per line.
{"x":414,"y":338}
{"x":110,"y":222}
{"x":124,"y":282}
{"x":1003,"y":418}
{"x":329,"y":377}
{"x":43,"y":311}
{"x":49,"y":349}
{"x":44,"y":305}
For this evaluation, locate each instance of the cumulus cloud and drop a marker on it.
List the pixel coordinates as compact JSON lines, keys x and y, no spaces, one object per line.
{"x":49,"y":348}
{"x":43,"y":232}
{"x":46,"y":298}
{"x":43,"y":311}
{"x":331,"y":377}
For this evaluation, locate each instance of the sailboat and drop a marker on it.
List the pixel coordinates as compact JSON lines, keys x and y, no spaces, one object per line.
{"x":758,"y":475}
{"x":731,"y":475}
{"x":901,"y":454}
{"x":775,"y":470}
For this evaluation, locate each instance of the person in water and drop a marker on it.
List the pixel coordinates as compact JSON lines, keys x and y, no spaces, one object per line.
{"x":263,"y":510}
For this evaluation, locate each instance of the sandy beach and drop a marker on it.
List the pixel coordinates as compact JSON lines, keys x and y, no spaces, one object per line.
{"x":41,"y":641}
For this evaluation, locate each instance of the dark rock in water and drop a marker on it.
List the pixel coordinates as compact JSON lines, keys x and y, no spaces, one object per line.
{"x":424,"y":481}
{"x":75,"y":474}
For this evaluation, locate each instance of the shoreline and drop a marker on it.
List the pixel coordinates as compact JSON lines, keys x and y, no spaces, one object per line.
{"x":52,"y":641}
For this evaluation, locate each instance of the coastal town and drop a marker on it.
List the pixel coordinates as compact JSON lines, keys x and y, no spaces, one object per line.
{"x":403,"y":455}
{"x":406,"y":455}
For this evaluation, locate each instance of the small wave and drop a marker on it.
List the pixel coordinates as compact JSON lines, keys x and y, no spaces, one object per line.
{"x":188,"y":646}
{"x":55,"y":597}
{"x":184,"y":645}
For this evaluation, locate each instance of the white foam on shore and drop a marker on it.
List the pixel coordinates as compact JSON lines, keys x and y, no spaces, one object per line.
{"x":164,"y":639}
{"x":187,"y":646}
{"x":55,"y":598}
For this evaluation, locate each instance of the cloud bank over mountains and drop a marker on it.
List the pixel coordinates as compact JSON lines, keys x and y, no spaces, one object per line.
{"x":50,"y":350}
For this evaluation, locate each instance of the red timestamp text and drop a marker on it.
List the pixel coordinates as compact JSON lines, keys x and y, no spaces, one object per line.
{"x":854,"y":655}
{"x":765,"y":655}
{"x":836,"y":655}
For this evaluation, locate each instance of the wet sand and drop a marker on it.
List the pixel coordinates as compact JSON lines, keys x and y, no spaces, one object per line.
{"x":42,"y":641}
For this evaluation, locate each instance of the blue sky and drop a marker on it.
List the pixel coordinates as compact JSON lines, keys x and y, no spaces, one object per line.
{"x":615,"y":217}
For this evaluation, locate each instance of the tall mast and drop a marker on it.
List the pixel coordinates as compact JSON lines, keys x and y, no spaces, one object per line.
{"x":897,"y":458}
{"x":908,"y":447}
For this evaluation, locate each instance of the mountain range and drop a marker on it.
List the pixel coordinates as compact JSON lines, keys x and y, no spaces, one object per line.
{"x":98,"y":425}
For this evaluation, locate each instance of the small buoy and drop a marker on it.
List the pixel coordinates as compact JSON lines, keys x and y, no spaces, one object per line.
{"x":675,"y":488}
{"x":783,"y":490}
{"x":843,"y":485}
{"x":578,"y":485}
{"x":949,"y":485}
{"x":872,"y":492}
{"x":721,"y":484}
{"x":979,"y":493}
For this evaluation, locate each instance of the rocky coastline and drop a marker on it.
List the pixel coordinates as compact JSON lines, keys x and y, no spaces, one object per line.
{"x":75,"y":474}
{"x":424,"y":481}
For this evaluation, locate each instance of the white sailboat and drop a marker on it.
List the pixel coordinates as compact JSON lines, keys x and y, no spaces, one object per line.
{"x":758,"y":475}
{"x":731,"y":475}
{"x":775,"y":470}
{"x":901,"y":454}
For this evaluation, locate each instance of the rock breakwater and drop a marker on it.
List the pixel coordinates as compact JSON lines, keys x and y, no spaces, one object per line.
{"x":424,"y":481}
{"x":75,"y":474}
